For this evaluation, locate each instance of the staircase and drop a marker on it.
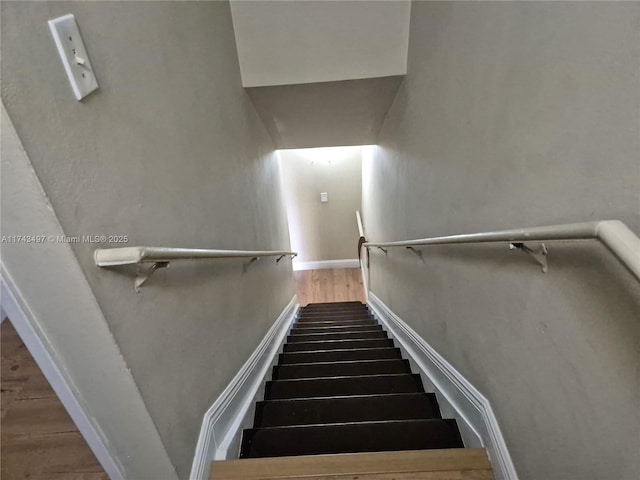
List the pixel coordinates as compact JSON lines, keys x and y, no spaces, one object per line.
{"x":341,"y":386}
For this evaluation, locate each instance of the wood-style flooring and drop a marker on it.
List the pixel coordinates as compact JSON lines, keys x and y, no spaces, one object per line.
{"x":448,"y":464}
{"x":38,"y":438}
{"x":329,"y":285}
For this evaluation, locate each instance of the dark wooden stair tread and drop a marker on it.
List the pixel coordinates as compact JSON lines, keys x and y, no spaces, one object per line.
{"x":303,"y":329}
{"x":334,"y":304}
{"x":362,"y":408}
{"x":325,"y":336}
{"x":339,"y":355}
{"x":342,"y":386}
{"x":335,"y":323}
{"x":338,"y":344}
{"x":351,"y":438}
{"x":338,"y":310}
{"x":331,"y":318}
{"x":340,"y":369}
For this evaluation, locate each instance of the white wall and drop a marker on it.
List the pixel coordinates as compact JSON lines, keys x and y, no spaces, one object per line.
{"x":170,"y":152}
{"x":289,"y":42}
{"x":322,"y":231}
{"x":518,"y":114}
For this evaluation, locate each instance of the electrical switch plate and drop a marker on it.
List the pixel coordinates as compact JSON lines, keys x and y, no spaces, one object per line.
{"x":324,"y":197}
{"x":73,"y":55}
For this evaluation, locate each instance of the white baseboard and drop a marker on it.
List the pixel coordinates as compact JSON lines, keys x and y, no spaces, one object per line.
{"x":364,"y":272}
{"x":345,"y":263}
{"x":222,"y":424}
{"x":471,"y":406}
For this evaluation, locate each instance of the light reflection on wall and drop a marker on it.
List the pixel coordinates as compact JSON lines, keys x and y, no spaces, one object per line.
{"x":309,"y":233}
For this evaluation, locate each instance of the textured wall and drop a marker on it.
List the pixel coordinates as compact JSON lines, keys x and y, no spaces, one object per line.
{"x":323,"y":231}
{"x":511,"y":115}
{"x":170,"y":152}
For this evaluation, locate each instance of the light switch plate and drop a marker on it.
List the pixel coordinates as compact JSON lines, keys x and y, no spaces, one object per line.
{"x":73,"y":55}
{"x":324,"y":197}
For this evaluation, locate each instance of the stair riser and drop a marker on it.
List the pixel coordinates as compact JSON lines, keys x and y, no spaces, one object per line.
{"x":331,"y":318}
{"x":321,"y":337}
{"x":334,"y":306}
{"x":351,"y":311}
{"x":347,"y":409}
{"x":362,"y":437}
{"x":339,"y":356}
{"x":379,"y":367}
{"x":335,"y":309}
{"x":332,"y":387}
{"x":334,"y":329}
{"x":331,"y":311}
{"x":338,"y":345}
{"x":335,"y":323}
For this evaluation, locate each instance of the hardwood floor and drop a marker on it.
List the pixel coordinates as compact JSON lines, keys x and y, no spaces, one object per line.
{"x":446,"y":464}
{"x":329,"y":285}
{"x":38,"y":438}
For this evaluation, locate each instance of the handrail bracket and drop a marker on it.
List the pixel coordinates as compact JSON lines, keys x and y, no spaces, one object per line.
{"x":143,"y":274}
{"x":539,"y":256}
{"x":292,"y":255}
{"x":246,"y":266}
{"x":416,"y":251}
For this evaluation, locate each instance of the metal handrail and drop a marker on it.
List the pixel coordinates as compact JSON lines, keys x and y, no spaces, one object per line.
{"x":159,"y":257}
{"x":360,"y":227}
{"x":615,"y":235}
{"x":361,"y":239}
{"x":108,"y":257}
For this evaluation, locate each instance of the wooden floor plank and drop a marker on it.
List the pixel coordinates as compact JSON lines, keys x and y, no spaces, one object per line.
{"x":452,"y":462}
{"x":36,"y":416}
{"x":340,"y":284}
{"x":329,"y":285}
{"x":38,"y":438}
{"x":449,"y":475}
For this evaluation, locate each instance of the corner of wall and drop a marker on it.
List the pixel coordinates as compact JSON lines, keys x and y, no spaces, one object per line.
{"x":56,"y":314}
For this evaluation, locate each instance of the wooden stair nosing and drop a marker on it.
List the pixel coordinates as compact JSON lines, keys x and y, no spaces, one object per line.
{"x":334,"y":329}
{"x":325,"y":337}
{"x":356,"y":368}
{"x":334,"y":323}
{"x":349,"y":354}
{"x":355,"y":464}
{"x":343,"y":386}
{"x":338,"y":344}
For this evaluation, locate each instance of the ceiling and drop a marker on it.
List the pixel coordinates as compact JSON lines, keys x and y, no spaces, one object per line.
{"x":306,"y":41}
{"x":349,"y":112}
{"x":322,"y":73}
